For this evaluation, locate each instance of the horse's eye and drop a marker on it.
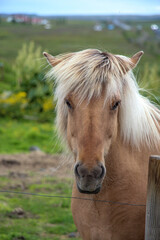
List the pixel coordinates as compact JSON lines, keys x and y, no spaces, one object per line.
{"x":68,"y":104}
{"x":115,"y":105}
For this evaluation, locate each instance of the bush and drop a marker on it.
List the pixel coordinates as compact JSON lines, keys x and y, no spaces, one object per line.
{"x":27,"y":64}
{"x":29,"y":75}
{"x":36,"y":100}
{"x":17,"y":105}
{"x":13,"y":104}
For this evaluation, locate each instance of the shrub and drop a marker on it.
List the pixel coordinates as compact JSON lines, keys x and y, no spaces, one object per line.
{"x":13,"y":104}
{"x":27,"y":64}
{"x":16,"y":105}
{"x":30,"y":79}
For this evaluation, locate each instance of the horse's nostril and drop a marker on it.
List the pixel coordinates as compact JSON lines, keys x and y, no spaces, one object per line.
{"x":76,"y":169}
{"x":97,"y":172}
{"x":103,"y":171}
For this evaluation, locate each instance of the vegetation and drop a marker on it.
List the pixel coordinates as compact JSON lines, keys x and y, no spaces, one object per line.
{"x":27,"y":112}
{"x":150,"y":80}
{"x":71,"y":36}
{"x":27,"y":64}
{"x":31,"y":94}
{"x":18,"y":136}
{"x":24,"y":92}
{"x":41,"y":217}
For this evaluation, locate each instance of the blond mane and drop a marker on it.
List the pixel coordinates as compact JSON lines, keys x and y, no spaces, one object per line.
{"x":87,"y":73}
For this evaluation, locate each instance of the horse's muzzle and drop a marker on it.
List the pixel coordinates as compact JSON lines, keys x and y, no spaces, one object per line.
{"x":89,"y":181}
{"x":97,"y":190}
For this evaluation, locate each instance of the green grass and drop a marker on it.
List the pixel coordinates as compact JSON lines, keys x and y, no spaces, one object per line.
{"x":50,"y":218}
{"x":45,"y":218}
{"x":19,"y":136}
{"x":70,"y":36}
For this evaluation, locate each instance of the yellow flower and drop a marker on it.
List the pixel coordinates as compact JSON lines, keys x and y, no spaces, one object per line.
{"x":21,"y":95}
{"x":14,"y":98}
{"x":48,"y":105}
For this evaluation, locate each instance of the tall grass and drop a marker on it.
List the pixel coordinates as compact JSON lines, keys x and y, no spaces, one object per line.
{"x":26,"y":65}
{"x":150,"y":81}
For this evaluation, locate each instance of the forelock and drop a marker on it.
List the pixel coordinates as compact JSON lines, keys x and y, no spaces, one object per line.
{"x":86,"y":74}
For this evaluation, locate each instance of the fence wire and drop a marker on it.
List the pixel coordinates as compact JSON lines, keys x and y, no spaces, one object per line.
{"x":72,"y":197}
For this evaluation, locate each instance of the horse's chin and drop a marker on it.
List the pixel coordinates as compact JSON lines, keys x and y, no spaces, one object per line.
{"x":97,"y":190}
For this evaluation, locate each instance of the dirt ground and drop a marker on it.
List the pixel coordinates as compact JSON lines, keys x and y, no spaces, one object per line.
{"x":37,"y":161}
{"x":33,"y":168}
{"x":35,"y":165}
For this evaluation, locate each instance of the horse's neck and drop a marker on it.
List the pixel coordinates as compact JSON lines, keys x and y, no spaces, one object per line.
{"x":124,"y":161}
{"x":126,"y":174}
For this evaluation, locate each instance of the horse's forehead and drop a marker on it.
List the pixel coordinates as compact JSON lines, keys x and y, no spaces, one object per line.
{"x":94,"y":105}
{"x":105,"y":97}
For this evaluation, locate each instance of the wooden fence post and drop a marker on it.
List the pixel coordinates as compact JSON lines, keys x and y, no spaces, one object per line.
{"x":152,"y":225}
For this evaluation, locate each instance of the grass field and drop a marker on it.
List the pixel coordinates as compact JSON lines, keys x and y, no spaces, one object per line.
{"x":77,"y":35}
{"x":71,"y":36}
{"x":59,"y":39}
{"x":25,"y":217}
{"x":34,"y":218}
{"x":19,"y":136}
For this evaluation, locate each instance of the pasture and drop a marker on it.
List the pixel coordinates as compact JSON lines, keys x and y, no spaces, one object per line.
{"x":16,"y":137}
{"x":74,"y":35}
{"x":29,"y":217}
{"x":71,"y":35}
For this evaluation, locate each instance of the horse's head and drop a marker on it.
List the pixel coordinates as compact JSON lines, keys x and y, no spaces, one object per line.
{"x":91,"y":127}
{"x":89,"y":91}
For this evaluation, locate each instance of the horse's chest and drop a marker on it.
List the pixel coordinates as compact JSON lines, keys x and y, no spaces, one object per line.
{"x":104,"y":221}
{"x":91,"y":219}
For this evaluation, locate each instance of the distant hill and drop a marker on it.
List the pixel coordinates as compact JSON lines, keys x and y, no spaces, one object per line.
{"x":95,"y":17}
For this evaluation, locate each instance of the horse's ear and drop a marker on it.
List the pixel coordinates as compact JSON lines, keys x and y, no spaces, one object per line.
{"x":53,"y":61}
{"x":135,"y":59}
{"x":126,"y":63}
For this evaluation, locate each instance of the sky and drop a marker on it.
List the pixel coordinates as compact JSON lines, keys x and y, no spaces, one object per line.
{"x":80,"y":7}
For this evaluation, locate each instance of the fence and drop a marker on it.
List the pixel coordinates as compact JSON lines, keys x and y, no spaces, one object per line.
{"x":152,"y":224}
{"x":152,"y":227}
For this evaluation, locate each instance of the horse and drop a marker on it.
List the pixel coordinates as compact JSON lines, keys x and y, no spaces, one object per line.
{"x":111,"y":129}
